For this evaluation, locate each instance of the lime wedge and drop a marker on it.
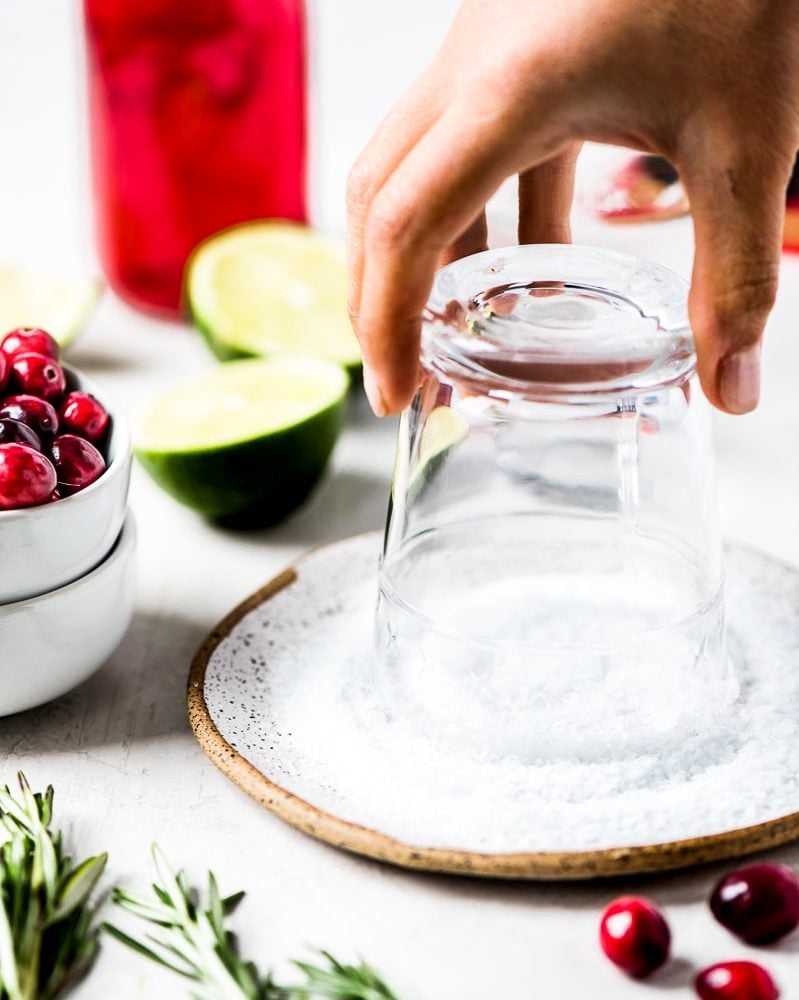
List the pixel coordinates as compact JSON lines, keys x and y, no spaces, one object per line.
{"x":247,"y":443}
{"x":269,"y":287}
{"x":60,"y":305}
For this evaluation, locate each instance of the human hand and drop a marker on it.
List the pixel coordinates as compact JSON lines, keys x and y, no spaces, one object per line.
{"x":711,"y":84}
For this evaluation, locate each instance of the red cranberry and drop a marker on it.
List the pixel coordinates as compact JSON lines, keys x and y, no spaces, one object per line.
{"x":634,"y":935}
{"x":759,"y":903}
{"x":77,"y":462}
{"x":736,"y":981}
{"x":5,"y":371}
{"x":15,"y":432}
{"x":38,"y":375}
{"x":29,"y":340}
{"x":27,"y":478}
{"x":82,"y":414}
{"x":37,"y":413}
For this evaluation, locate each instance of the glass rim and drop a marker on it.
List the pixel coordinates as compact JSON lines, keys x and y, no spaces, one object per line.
{"x":387,"y":586}
{"x":558,"y":321}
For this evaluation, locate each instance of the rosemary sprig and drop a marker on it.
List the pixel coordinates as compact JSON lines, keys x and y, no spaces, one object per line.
{"x":191,"y":939}
{"x":342,"y":982}
{"x":48,"y":938}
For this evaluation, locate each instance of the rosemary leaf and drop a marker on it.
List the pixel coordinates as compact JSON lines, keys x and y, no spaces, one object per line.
{"x":77,"y":887}
{"x":343,"y":982}
{"x":143,"y":949}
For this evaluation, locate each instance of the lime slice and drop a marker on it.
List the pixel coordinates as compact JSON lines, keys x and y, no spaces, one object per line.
{"x":247,"y":443}
{"x":269,"y":287}
{"x":60,"y":305}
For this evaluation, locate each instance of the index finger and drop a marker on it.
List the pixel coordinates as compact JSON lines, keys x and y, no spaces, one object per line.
{"x":432,"y":195}
{"x":395,"y":136}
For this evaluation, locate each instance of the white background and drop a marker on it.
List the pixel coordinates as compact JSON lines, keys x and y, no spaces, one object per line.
{"x":119,"y":750}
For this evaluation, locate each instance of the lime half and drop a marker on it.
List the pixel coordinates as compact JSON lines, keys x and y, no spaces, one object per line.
{"x":247,"y":443}
{"x":269,"y":287}
{"x":60,"y":305}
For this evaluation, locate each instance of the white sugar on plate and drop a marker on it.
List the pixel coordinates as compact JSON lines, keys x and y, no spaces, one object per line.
{"x":296,"y":690}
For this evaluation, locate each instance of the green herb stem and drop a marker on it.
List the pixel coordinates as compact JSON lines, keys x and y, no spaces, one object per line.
{"x":192,"y":940}
{"x":48,"y":937}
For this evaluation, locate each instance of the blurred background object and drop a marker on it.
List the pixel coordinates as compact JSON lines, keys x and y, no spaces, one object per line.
{"x":791,"y":233}
{"x":197,"y":122}
{"x":637,"y":188}
{"x":57,"y":302}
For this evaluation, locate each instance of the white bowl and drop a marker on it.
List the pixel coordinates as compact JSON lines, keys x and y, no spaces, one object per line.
{"x":50,"y":644}
{"x":43,"y":548}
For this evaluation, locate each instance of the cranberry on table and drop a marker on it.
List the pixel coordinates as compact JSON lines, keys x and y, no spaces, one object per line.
{"x":82,"y":414}
{"x":27,"y":478}
{"x":38,"y":375}
{"x":37,"y":413}
{"x":15,"y":432}
{"x":759,"y":903}
{"x":77,"y":463}
{"x":634,"y":935}
{"x":736,"y":981}
{"x":29,"y":339}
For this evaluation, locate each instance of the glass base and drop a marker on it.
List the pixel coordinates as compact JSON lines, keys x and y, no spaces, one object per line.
{"x":545,"y":648}
{"x":151,"y":293}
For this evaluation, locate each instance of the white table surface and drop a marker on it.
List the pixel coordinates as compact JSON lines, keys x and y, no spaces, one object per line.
{"x":119,"y":751}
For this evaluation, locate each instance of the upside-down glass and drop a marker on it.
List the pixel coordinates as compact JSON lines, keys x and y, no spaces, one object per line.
{"x":551,"y":582}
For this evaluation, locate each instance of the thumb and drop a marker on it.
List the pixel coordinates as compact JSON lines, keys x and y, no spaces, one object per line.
{"x":738,"y":220}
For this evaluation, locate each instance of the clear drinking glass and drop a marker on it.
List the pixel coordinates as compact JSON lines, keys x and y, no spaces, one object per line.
{"x":551,"y":580}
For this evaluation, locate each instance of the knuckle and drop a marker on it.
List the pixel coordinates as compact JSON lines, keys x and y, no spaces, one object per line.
{"x":737,"y":314}
{"x":354,"y":313}
{"x":360,"y":183}
{"x":753,"y":298}
{"x":389,"y":221}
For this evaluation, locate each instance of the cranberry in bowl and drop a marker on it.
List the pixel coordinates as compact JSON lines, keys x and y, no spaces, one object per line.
{"x":64,"y":473}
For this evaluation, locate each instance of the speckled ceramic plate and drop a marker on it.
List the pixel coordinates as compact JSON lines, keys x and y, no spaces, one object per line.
{"x":282,"y":698}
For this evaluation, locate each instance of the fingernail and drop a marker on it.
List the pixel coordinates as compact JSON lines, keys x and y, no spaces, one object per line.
{"x":373,"y":394}
{"x":740,"y":380}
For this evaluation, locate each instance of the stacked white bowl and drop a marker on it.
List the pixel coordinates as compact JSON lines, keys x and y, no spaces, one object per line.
{"x":67,"y":578}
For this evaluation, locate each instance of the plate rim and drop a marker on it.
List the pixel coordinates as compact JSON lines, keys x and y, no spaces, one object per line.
{"x":369,"y":842}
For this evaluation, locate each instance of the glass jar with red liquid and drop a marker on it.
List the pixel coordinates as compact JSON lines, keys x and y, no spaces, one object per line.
{"x":197,"y":122}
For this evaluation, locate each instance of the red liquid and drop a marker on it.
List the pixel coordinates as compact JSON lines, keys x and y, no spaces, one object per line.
{"x":197,"y":122}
